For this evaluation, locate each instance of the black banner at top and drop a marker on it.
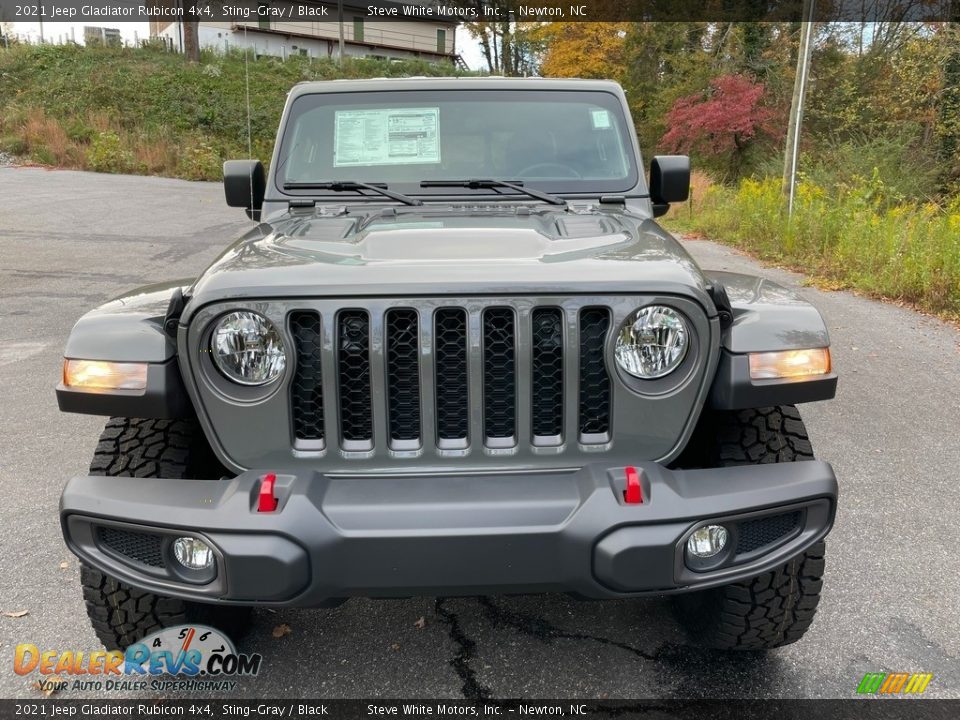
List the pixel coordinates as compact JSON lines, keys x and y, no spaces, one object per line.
{"x":451,"y":11}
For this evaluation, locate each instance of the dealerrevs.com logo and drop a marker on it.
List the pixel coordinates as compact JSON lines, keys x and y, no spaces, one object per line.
{"x":183,"y":657}
{"x":894,"y":683}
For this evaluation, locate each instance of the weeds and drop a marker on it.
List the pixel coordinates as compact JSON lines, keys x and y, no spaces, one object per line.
{"x":859,"y":236}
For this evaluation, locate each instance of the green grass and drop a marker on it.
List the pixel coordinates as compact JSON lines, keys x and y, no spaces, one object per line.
{"x":148,"y":111}
{"x":852,"y":237}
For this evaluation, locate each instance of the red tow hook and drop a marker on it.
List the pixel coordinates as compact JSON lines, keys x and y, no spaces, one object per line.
{"x":633,"y":495}
{"x":267,"y":501}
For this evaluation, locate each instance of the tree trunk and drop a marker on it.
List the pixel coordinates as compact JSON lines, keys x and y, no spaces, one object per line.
{"x":191,"y":34}
{"x":506,"y":51}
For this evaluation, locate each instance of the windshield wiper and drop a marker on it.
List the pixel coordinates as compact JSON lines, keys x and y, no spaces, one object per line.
{"x":491,"y":183}
{"x":348,"y":185}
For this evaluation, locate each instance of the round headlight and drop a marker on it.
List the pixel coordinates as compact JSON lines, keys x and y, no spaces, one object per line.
{"x":247,"y":348}
{"x":653,"y":343}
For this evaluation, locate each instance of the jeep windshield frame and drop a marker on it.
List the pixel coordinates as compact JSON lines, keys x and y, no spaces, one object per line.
{"x":576,"y":143}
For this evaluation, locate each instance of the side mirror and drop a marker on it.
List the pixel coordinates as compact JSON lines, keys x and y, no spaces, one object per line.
{"x":244,"y":184}
{"x":669,"y":181}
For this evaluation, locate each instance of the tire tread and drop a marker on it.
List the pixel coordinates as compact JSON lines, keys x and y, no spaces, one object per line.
{"x":148,"y":448}
{"x":777,"y":607}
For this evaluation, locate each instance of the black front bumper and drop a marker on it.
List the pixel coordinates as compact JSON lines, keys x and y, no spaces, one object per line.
{"x":401,"y":535}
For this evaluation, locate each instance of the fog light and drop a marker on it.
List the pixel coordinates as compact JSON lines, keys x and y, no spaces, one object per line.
{"x":192,"y":553}
{"x":707,"y":541}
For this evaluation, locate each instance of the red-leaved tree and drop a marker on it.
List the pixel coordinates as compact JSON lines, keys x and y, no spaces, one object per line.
{"x":721,"y":122}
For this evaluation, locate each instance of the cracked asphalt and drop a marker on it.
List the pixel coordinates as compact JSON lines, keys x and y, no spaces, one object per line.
{"x":71,"y":240}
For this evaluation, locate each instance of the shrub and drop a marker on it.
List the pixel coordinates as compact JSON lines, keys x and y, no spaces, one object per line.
{"x":201,"y":162}
{"x":78,"y":130}
{"x":107,"y":154}
{"x":13,"y":145}
{"x":42,"y":155}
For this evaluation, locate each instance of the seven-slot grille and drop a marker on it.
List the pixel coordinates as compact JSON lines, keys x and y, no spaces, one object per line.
{"x":433,"y":374}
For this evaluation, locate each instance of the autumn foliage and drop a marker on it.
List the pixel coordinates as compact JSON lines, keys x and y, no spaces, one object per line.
{"x":583,"y":49}
{"x":721,"y":122}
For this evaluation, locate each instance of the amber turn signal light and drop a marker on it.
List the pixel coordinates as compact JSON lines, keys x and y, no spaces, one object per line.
{"x":789,"y":364}
{"x":103,"y":375}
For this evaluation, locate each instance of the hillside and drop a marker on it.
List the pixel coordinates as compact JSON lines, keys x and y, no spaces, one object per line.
{"x":147,"y":111}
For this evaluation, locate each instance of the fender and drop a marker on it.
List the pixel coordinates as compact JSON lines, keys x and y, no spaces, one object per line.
{"x":767,"y":317}
{"x":130,"y":328}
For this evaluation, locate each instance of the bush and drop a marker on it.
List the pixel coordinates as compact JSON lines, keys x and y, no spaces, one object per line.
{"x":78,"y":131}
{"x":42,"y":155}
{"x":13,"y":145}
{"x":909,"y":171}
{"x":108,"y":154}
{"x":201,"y":162}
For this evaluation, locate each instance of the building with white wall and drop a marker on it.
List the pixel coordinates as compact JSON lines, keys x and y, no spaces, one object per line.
{"x":428,"y":38}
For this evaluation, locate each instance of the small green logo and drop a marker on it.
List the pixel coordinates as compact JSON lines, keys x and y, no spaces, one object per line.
{"x":894,"y":683}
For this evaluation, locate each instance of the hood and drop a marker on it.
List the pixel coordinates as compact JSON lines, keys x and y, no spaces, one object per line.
{"x":448,"y":250}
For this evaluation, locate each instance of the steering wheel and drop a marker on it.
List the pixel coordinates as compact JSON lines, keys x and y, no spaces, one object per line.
{"x":569,"y":171}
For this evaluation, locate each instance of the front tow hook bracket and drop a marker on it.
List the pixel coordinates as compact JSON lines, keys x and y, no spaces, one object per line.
{"x":267,"y":498}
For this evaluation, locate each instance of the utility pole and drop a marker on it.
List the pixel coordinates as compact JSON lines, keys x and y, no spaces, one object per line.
{"x":791,"y":156}
{"x":340,"y":22}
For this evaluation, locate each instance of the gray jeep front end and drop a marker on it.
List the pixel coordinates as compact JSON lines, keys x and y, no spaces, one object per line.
{"x":491,"y":458}
{"x":452,"y":419}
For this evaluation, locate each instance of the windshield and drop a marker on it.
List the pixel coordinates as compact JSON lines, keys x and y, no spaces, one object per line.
{"x":557,"y":141}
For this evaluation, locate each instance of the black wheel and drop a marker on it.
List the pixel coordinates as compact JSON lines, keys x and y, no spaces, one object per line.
{"x":776,"y":608}
{"x":121,"y":614}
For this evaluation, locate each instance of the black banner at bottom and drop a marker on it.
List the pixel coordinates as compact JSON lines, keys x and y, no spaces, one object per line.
{"x":855,"y":709}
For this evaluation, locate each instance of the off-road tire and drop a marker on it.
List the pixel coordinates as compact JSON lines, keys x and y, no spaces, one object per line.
{"x":777,"y":607}
{"x":121,"y":614}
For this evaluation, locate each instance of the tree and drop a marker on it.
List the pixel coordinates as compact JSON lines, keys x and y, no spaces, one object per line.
{"x":583,"y":49}
{"x":721,"y":123}
{"x":509,"y":48}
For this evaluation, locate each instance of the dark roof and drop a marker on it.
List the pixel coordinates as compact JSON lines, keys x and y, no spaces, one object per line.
{"x":454,"y":83}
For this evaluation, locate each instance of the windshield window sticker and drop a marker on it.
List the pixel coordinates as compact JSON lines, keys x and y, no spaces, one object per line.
{"x":399,"y":136}
{"x":601,"y":118}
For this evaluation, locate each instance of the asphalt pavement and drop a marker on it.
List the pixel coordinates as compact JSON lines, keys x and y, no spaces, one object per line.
{"x":71,"y":240}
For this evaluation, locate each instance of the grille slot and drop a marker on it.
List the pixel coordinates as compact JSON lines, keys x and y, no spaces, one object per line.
{"x":594,"y":404}
{"x":754,"y":534}
{"x":144,"y":548}
{"x":306,"y":390}
{"x":547,"y":371}
{"x":353,"y":370}
{"x":499,"y":377}
{"x":403,"y":377}
{"x":450,"y":351}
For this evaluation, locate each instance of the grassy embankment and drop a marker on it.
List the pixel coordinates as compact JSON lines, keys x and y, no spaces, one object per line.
{"x":846,"y":237}
{"x":146,"y":111}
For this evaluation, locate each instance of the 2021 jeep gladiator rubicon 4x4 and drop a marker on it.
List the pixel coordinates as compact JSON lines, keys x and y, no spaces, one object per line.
{"x":455,"y":355}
